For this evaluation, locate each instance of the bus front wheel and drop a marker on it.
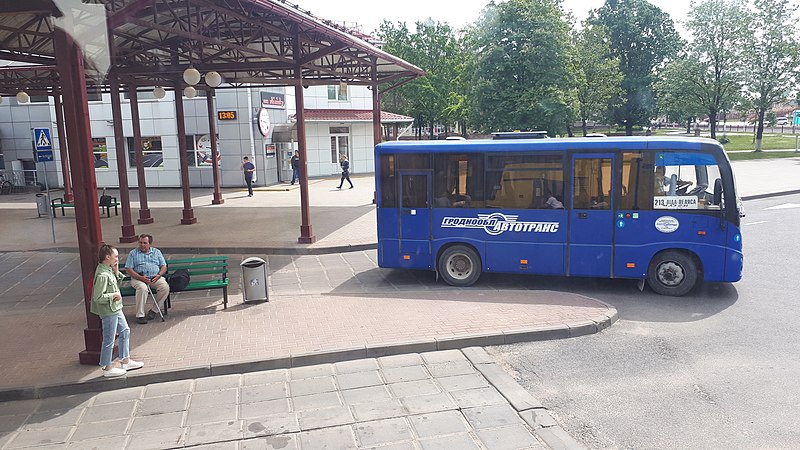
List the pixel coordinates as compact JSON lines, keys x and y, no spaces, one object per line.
{"x":672,"y":273}
{"x":460,"y":266}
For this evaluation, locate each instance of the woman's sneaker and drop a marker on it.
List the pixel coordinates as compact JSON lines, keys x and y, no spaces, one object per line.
{"x":114,"y":372}
{"x":132,"y":365}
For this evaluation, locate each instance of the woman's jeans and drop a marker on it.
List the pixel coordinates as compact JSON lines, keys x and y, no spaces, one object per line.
{"x":112,"y":325}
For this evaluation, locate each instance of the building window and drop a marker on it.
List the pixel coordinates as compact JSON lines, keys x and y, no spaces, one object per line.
{"x":336,"y":93}
{"x":94,"y":94}
{"x":153,"y":156}
{"x":340,"y":143}
{"x":100,"y":152}
{"x":198,"y":150}
{"x":140,"y":95}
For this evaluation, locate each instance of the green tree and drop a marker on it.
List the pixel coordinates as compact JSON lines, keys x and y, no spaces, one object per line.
{"x":772,"y":58}
{"x":713,"y":67}
{"x":520,"y":77}
{"x":676,"y":91}
{"x":597,"y":77}
{"x":433,"y":47}
{"x":643,"y":38}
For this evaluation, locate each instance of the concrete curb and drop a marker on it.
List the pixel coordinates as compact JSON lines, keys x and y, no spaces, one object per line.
{"x":770,"y":194}
{"x":529,"y":408}
{"x":600,"y":323}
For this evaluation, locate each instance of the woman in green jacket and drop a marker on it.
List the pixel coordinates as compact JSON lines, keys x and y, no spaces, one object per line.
{"x":107,"y":303}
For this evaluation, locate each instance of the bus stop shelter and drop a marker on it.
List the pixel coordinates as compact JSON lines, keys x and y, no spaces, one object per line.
{"x":64,"y":48}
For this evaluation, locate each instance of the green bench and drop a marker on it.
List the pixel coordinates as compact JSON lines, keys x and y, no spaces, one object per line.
{"x":207,"y":272}
{"x":59,"y":203}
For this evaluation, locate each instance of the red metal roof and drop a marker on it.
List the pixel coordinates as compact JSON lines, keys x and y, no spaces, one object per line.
{"x":350,"y":115}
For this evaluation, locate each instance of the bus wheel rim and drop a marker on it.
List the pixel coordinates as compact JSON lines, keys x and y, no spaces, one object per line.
{"x":459,"y":266}
{"x":670,"y":274}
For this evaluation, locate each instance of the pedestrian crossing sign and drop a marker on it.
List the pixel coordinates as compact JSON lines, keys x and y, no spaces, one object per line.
{"x":42,"y":139}
{"x":43,"y":143}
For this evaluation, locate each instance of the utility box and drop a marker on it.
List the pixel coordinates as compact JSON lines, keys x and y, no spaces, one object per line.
{"x":254,"y":280}
{"x":43,"y":205}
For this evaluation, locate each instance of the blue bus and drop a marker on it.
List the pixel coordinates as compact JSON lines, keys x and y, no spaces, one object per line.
{"x":659,"y":209}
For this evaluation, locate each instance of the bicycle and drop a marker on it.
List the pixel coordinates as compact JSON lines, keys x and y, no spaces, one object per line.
{"x":6,"y":187}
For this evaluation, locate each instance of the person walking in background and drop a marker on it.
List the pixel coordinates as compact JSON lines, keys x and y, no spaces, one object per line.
{"x":345,"y":170}
{"x":296,"y":166}
{"x":146,"y":266}
{"x":249,"y":169}
{"x":107,"y":303}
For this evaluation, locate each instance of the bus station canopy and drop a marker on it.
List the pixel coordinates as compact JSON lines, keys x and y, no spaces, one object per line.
{"x":152,"y":42}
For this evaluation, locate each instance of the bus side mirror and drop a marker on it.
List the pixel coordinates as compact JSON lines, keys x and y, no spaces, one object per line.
{"x":717,"y":192}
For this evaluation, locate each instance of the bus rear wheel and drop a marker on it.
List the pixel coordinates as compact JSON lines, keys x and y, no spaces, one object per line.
{"x":672,"y":273}
{"x":460,"y":266}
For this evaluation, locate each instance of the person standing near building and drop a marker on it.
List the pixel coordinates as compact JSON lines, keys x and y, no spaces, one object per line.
{"x":345,"y":171}
{"x":249,"y":169}
{"x":146,"y":266}
{"x":107,"y":303}
{"x":296,"y":166}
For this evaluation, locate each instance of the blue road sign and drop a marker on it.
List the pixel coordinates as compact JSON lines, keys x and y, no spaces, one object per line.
{"x":43,"y":144}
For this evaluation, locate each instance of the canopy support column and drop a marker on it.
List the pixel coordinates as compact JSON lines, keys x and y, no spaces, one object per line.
{"x":87,"y":215}
{"x":144,"y":211}
{"x":188,"y":213}
{"x":128,"y":230}
{"x":63,"y":148}
{"x":212,"y":131}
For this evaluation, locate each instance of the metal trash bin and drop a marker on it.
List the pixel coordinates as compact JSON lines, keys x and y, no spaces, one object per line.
{"x":254,"y":279}
{"x":43,"y":205}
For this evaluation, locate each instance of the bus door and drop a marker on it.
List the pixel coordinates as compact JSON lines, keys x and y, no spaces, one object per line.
{"x":591,"y":216}
{"x":415,"y":219}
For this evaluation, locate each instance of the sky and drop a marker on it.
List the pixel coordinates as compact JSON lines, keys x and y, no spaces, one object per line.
{"x":456,"y":13}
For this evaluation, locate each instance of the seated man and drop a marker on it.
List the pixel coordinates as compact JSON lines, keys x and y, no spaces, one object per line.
{"x":146,"y":267}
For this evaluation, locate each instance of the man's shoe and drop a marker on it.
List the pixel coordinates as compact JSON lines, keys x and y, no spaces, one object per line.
{"x":132,"y":365}
{"x":141,"y":320}
{"x":351,"y":187}
{"x":114,"y":372}
{"x":151,"y":315}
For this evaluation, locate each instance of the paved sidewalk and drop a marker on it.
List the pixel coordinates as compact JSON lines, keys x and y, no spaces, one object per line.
{"x":434,"y":400}
{"x":322,"y":308}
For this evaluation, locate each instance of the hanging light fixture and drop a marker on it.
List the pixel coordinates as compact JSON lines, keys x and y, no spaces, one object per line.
{"x":23,"y":97}
{"x":189,"y":92}
{"x":213,"y":79}
{"x":191,"y":76}
{"x":159,"y":92}
{"x":342,"y":89}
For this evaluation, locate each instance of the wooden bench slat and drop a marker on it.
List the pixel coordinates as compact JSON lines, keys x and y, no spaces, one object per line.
{"x":174,"y":267}
{"x":197,"y":260}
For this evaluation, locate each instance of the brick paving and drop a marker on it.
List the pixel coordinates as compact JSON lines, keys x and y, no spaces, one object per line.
{"x":317,"y":304}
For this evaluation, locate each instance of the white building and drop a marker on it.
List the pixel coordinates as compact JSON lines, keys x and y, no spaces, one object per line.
{"x":338,"y":120}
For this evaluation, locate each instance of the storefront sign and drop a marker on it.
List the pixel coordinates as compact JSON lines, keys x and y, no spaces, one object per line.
{"x":273,"y":100}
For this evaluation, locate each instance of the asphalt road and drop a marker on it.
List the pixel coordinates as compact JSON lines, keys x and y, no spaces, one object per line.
{"x":716,"y":369}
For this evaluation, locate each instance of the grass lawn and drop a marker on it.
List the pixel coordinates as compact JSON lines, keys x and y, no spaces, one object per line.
{"x":761,"y":155}
{"x":770,"y":142}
